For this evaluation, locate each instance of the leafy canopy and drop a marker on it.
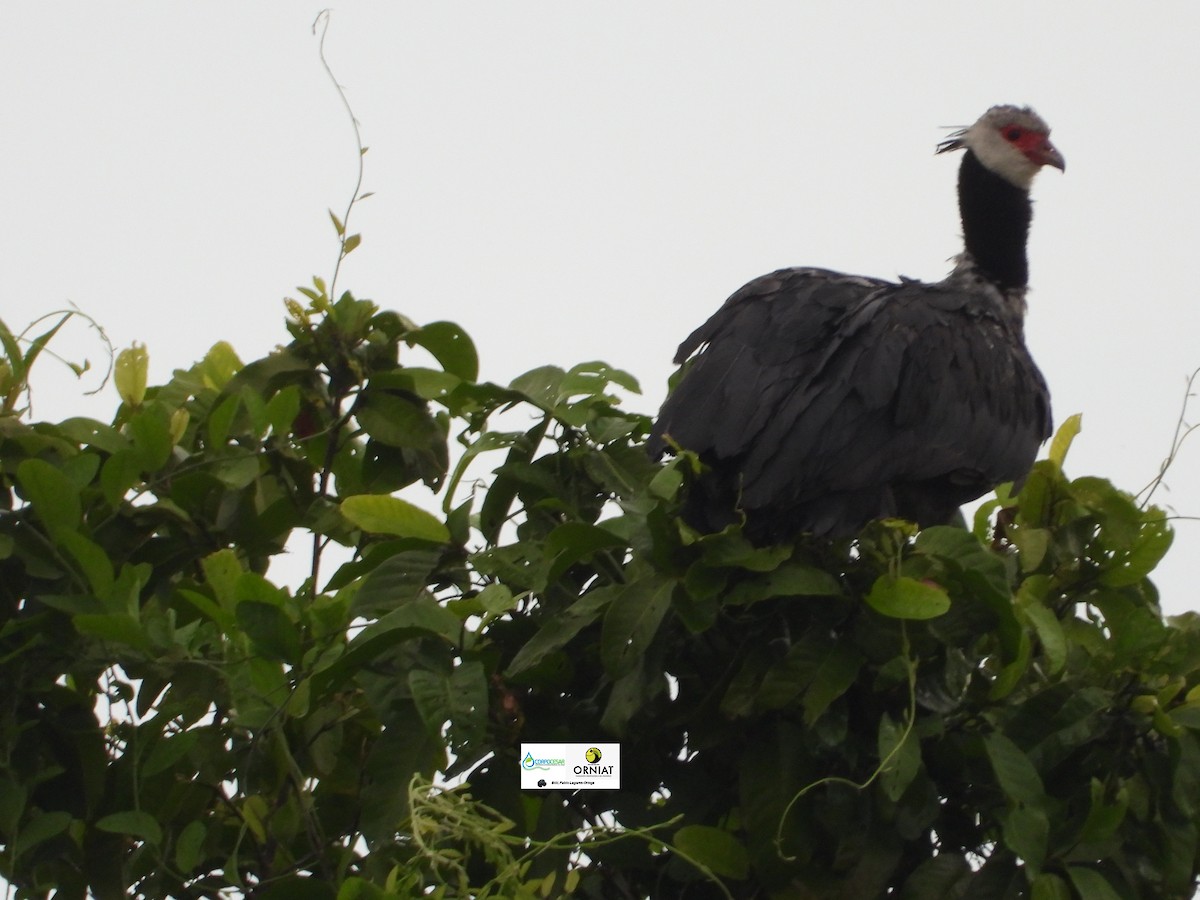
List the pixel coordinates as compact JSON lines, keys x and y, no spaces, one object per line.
{"x":988,"y":713}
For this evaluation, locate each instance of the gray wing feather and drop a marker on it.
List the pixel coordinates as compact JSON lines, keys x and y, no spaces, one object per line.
{"x":812,"y":386}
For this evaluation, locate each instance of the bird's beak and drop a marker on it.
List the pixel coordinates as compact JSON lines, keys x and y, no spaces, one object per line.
{"x":1047,"y":155}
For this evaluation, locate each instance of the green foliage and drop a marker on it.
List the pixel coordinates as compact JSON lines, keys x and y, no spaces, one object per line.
{"x":993,"y":713}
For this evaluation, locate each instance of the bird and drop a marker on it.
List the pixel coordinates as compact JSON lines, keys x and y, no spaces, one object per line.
{"x":818,"y":401}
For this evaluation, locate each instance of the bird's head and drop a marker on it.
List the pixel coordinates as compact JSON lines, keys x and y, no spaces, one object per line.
{"x":1012,"y":141}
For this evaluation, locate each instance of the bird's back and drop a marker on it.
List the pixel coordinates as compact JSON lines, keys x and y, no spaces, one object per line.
{"x":819,"y":401}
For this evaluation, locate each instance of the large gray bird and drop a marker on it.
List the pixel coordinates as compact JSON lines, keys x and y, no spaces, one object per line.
{"x":820,"y":401}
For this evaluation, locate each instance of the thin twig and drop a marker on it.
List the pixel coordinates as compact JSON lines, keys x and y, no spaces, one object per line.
{"x":322,"y":21}
{"x":1182,"y":430}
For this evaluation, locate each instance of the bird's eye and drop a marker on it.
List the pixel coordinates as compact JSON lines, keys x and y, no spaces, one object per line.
{"x":1013,"y":134}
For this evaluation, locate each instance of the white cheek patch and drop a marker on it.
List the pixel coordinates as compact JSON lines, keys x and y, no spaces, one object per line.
{"x":999,"y":155}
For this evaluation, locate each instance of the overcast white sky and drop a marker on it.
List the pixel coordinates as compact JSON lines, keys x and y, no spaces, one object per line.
{"x":576,"y":181}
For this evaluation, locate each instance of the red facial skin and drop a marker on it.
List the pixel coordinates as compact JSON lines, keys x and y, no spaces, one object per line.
{"x":1035,"y":145}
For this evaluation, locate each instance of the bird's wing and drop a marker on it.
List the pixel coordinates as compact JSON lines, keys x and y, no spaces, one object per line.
{"x":917,"y":383}
{"x":754,"y":352}
{"x":811,"y":384}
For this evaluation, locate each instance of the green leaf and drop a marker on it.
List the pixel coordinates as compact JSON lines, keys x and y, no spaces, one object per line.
{"x":1032,"y":543}
{"x":282,"y":410}
{"x":237,"y":472}
{"x":40,"y":828}
{"x":1036,"y":493}
{"x":936,"y":877}
{"x":22,"y":365}
{"x":150,"y":430}
{"x":354,"y":888}
{"x":414,"y":619}
{"x":119,"y":628}
{"x":899,"y":755}
{"x":1103,"y":818}
{"x":129,"y":374}
{"x":220,"y":420}
{"x":178,"y":425}
{"x":256,"y":408}
{"x":906,"y":598}
{"x":254,"y":813}
{"x":406,"y":747}
{"x":790,"y":580}
{"x":1012,"y":673}
{"x":219,"y":365}
{"x":1151,"y":544}
{"x":540,"y":386}
{"x":169,"y":751}
{"x":715,"y":849}
{"x":55,"y":500}
{"x":594,"y":378}
{"x":666,"y":482}
{"x":630,"y":693}
{"x":450,"y":346}
{"x":820,"y":667}
{"x":496,"y":600}
{"x":1091,"y":885}
{"x":799,"y":580}
{"x":572,"y":542}
{"x":205,"y":605}
{"x":423,"y":614}
{"x":428,"y":384}
{"x":1048,"y":886}
{"x":222,"y":570}
{"x":486,"y":442}
{"x":981,"y":570}
{"x":189,"y":846}
{"x":1026,"y":831}
{"x":12,"y":803}
{"x":1000,"y":878}
{"x":274,"y":635}
{"x":402,"y":576}
{"x":350,"y":243}
{"x":1050,"y":633}
{"x":92,"y":560}
{"x":337,"y":223}
{"x":1061,"y":442}
{"x":126,"y":592}
{"x":495,"y":508}
{"x":118,"y":475}
{"x":135,"y":822}
{"x":631,"y":623}
{"x":252,"y":586}
{"x":1017,"y":776}
{"x":732,"y":549}
{"x":430,"y":693}
{"x":296,"y":887}
{"x":382,"y":514}
{"x":459,"y":697}
{"x":557,"y":631}
{"x":832,"y":678}
{"x":81,"y":469}
{"x":396,"y":420}
{"x":94,"y":434}
{"x":12,"y":351}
